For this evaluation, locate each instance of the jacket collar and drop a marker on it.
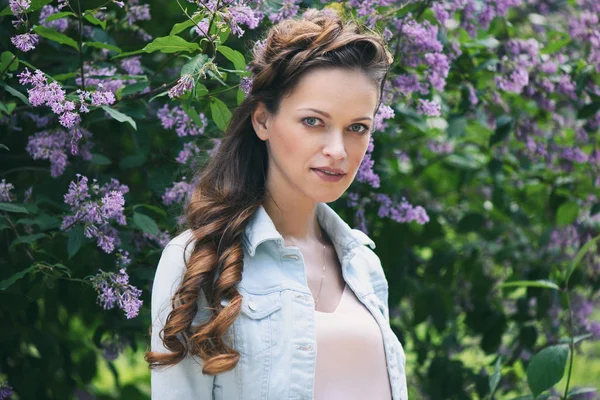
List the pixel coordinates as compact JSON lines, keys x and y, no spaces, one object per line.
{"x":260,"y":229}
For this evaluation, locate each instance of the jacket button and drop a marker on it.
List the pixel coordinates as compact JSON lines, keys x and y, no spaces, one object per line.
{"x":251,"y":305}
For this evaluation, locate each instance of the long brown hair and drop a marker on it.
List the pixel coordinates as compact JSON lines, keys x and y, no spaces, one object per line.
{"x":231,"y":187}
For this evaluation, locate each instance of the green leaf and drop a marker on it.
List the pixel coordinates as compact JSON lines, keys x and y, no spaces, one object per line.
{"x":100,"y":45}
{"x":95,"y":20}
{"x":119,"y":116}
{"x":3,"y":146}
{"x":193,"y":66}
{"x":64,"y":77}
{"x":158,"y":95}
{"x":200,"y":90}
{"x":191,"y":112}
{"x":14,"y":208}
{"x":8,"y":282}
{"x":555,"y":42}
{"x":56,"y":36}
{"x":495,"y":377}
{"x":567,"y":213}
{"x":240,"y":96}
{"x":74,"y":240}
{"x":99,"y":159}
{"x":27,"y":239}
{"x":145,"y":223}
{"x":127,"y":90}
{"x":170,"y":44}
{"x":504,"y":125}
{"x":181,"y":26}
{"x":220,"y":113}
{"x":156,"y":209}
{"x":7,"y":58}
{"x":588,"y":110}
{"x":8,"y":107}
{"x":540,"y":283}
{"x":136,"y":160}
{"x":234,"y":56}
{"x":15,"y":93}
{"x":59,"y":15}
{"x":582,"y":252}
{"x":547,"y":368}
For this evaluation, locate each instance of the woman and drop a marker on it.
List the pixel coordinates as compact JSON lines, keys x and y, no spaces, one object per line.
{"x":269,"y":294}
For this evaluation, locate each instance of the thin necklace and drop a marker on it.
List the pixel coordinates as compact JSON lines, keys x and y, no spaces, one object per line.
{"x":323,"y":272}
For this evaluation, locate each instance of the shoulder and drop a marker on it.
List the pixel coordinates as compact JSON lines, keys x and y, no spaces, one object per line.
{"x":172,"y":265}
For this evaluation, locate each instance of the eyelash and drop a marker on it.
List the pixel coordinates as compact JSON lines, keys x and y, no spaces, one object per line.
{"x":364,"y":132}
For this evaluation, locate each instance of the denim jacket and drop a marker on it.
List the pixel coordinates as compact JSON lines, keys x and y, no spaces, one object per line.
{"x":275,"y":331}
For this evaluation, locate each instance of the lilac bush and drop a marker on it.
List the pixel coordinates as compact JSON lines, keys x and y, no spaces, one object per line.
{"x":479,"y":185}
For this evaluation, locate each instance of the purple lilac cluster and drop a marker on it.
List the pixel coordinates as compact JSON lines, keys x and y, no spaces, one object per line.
{"x":234,"y":13}
{"x":114,"y":289}
{"x":365,"y":170}
{"x":26,"y":41}
{"x":60,"y":25}
{"x":403,"y":212}
{"x":6,"y":392}
{"x":53,"y":96}
{"x":96,"y":207}
{"x":180,"y":192}
{"x":184,"y":84}
{"x":5,"y":195}
{"x":177,"y":118}
{"x":54,"y":144}
{"x":190,"y":150}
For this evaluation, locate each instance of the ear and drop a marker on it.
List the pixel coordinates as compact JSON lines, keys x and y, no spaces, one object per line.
{"x":260,"y":117}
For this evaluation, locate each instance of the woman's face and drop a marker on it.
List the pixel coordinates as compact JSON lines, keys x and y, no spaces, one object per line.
{"x":325,"y":122}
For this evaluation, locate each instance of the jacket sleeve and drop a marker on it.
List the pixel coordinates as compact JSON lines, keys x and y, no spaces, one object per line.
{"x":184,"y":380}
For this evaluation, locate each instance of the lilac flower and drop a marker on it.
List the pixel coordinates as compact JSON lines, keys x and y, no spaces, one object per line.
{"x":384,"y":112}
{"x":96,"y":213}
{"x":123,"y":258}
{"x":19,"y":7}
{"x":178,"y":193}
{"x":132,"y":65}
{"x":115,"y":290}
{"x":25,"y":42}
{"x":517,"y":80}
{"x":189,"y":150}
{"x":53,"y":145}
{"x":62,"y":4}
{"x":440,"y":147}
{"x":138,"y":13}
{"x":102,"y":98}
{"x":403,"y":212}
{"x":241,"y":15}
{"x":429,"y":108}
{"x":246,"y":85}
{"x":6,"y":391}
{"x":408,"y":84}
{"x":5,"y":188}
{"x":365,"y":171}
{"x":201,"y":27}
{"x":178,"y":119}
{"x":289,"y":9}
{"x":184,"y":85}
{"x":59,"y":25}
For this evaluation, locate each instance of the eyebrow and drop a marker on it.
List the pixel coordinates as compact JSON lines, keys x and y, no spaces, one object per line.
{"x":329,"y":116}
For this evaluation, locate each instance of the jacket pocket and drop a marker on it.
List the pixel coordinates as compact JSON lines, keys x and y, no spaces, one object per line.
{"x":257,"y":329}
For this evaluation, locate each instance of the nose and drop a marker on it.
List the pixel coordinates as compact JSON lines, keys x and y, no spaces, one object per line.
{"x":334,"y":145}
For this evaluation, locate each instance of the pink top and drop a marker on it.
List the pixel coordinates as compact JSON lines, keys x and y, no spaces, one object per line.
{"x":351,"y":361}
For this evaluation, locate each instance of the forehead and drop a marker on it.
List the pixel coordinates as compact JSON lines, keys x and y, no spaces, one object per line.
{"x":335,"y":90}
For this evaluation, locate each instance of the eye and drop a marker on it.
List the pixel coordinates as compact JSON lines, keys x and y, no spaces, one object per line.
{"x":364,"y":131}
{"x":308,"y":119}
